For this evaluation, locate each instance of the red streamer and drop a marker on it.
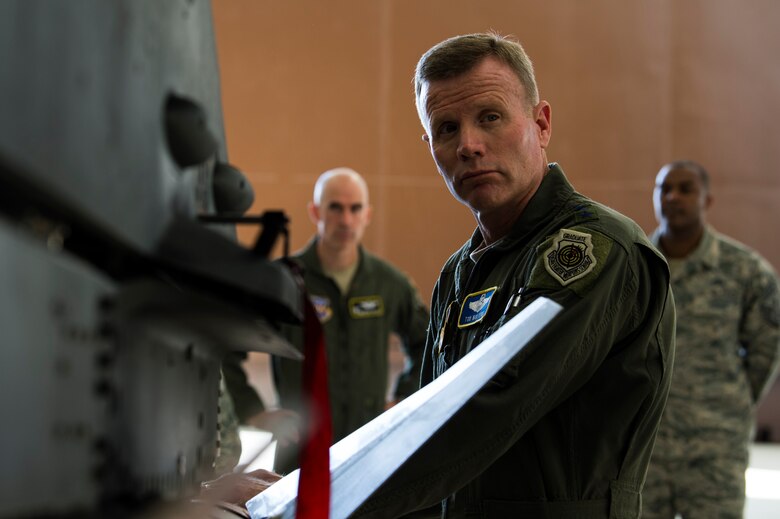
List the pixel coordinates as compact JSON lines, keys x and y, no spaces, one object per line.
{"x":314,"y":477}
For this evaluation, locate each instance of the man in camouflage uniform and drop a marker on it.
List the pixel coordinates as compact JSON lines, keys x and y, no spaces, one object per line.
{"x":727,"y":351}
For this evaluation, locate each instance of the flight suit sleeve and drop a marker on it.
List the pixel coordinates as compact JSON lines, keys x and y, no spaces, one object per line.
{"x":246,"y":401}
{"x":413,"y":341}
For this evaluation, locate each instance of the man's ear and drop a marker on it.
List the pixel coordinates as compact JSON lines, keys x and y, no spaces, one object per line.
{"x":543,"y":119}
{"x":708,"y":201}
{"x":314,"y":212}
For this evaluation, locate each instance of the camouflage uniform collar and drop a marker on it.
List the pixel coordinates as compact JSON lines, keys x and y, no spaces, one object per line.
{"x":707,"y":253}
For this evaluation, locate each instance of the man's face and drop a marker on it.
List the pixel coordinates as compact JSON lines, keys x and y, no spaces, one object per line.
{"x":486,"y":142}
{"x":680,"y":199}
{"x":342,"y":214}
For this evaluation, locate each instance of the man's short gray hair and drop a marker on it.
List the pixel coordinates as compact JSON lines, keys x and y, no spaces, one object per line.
{"x":459,"y":54}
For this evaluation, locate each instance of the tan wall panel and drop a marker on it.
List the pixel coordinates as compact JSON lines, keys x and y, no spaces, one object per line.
{"x":424,"y":239}
{"x":727,"y":109}
{"x":300,"y":83}
{"x":308,"y":85}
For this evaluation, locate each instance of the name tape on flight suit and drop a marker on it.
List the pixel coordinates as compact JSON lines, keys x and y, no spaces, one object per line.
{"x":475,"y":307}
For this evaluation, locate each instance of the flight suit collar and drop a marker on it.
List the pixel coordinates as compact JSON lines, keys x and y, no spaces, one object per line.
{"x":312,"y":262}
{"x":550,"y":199}
{"x":552,"y":195}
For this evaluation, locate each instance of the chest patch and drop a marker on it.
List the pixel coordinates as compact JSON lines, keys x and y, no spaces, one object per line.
{"x":322,"y":306}
{"x":570,"y":257}
{"x":366,"y":306}
{"x":475,"y":307}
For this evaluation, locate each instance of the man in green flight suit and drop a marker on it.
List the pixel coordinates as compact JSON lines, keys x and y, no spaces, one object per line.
{"x":566,"y":428}
{"x":360,"y":300}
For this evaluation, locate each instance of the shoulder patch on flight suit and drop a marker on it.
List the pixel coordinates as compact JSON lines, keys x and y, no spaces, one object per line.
{"x":322,"y":306}
{"x":475,"y":307}
{"x":571,"y":258}
{"x":364,"y":307}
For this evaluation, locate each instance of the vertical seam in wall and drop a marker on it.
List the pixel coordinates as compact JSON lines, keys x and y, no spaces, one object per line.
{"x":671,"y":107}
{"x":381,"y":210}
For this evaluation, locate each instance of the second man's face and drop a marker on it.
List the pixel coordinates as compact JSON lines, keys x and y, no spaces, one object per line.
{"x":343,"y":213}
{"x":680,"y":199}
{"x":486,"y":142}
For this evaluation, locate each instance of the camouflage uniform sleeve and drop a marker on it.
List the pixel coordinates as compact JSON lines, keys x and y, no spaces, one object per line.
{"x":759,"y":334}
{"x":228,"y":440}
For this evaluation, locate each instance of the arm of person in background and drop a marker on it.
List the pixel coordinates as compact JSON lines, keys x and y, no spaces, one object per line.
{"x":760,"y":331}
{"x":413,"y":333}
{"x":284,"y":424}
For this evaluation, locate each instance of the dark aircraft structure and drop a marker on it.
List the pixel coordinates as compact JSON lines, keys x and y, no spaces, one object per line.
{"x":122,"y":284}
